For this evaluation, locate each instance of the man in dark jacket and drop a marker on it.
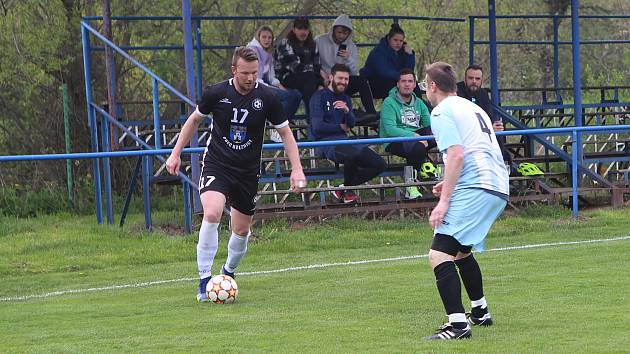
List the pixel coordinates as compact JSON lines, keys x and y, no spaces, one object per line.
{"x":331,"y":119}
{"x":471,"y":90}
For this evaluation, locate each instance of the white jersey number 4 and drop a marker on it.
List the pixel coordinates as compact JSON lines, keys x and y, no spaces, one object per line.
{"x":484,"y":127}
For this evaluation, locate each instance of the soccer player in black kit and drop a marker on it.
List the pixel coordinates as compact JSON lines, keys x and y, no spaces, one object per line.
{"x":239,"y":107}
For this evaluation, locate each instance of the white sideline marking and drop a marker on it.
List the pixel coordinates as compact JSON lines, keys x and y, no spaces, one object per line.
{"x":282,"y":270}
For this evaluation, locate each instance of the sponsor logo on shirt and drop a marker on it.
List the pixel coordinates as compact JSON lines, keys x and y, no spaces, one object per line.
{"x":225,"y":100}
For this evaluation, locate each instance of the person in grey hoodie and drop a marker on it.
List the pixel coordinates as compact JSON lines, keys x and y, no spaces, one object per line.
{"x":337,"y":47}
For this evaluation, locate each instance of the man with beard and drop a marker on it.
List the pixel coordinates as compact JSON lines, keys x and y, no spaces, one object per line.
{"x":471,"y":90}
{"x":240,"y":108}
{"x":331,"y":119}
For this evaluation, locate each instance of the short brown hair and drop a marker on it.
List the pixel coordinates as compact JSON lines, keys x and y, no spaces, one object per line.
{"x":246,"y":53}
{"x":443,"y":75}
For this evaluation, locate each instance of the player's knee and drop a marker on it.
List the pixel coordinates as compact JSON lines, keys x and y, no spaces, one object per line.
{"x":437,"y":257}
{"x":212,"y":216}
{"x":241,"y":230}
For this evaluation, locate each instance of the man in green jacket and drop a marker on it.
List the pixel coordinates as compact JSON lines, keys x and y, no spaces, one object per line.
{"x":405,"y":115}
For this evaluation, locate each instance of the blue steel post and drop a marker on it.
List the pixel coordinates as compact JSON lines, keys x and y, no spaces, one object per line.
{"x":577,"y":81}
{"x":107,"y":178}
{"x":199,"y":64}
{"x":146,"y":193}
{"x":146,"y":182}
{"x":574,"y":172}
{"x":156,"y":116}
{"x":471,"y":40}
{"x":190,"y":87}
{"x":96,"y":173}
{"x":494,"y":72}
{"x":187,"y":208}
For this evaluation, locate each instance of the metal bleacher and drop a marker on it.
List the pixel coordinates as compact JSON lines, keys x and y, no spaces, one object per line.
{"x":605,"y":160}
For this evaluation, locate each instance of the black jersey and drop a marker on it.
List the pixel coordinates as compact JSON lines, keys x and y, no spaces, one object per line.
{"x":238,"y":124}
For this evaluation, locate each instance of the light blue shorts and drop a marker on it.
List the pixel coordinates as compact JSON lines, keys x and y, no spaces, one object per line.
{"x":470,"y":215}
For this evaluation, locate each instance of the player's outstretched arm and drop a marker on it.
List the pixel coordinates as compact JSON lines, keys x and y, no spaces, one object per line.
{"x":452,"y":170}
{"x":191,"y":125}
{"x":297,"y":179}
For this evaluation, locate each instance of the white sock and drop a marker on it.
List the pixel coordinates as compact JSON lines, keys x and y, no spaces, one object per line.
{"x":237,"y":247}
{"x":207,"y":248}
{"x":481,"y":302}
{"x":457,"y":317}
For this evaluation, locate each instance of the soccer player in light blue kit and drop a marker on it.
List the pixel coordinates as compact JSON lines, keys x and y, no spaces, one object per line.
{"x":472,"y":195}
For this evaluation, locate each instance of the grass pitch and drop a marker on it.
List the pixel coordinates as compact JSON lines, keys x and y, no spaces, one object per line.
{"x":555,"y":297}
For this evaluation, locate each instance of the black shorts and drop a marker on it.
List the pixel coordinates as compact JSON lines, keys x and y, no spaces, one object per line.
{"x":239,"y":190}
{"x":449,"y":245}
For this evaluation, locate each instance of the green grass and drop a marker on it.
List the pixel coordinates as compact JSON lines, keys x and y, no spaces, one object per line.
{"x":560,"y":299}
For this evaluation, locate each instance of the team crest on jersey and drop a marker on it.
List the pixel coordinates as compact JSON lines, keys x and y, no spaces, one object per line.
{"x":238,"y":134}
{"x":257,"y":104}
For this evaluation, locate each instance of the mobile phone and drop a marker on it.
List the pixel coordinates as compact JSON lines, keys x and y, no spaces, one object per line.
{"x":341,"y":47}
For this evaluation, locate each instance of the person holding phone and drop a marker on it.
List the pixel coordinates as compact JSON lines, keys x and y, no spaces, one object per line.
{"x":337,"y":47}
{"x":386,"y":60}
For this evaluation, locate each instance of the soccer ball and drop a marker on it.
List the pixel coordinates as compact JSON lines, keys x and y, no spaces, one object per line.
{"x":222,"y":289}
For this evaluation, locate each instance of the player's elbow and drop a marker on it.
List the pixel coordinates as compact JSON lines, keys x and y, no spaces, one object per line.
{"x":456,"y":154}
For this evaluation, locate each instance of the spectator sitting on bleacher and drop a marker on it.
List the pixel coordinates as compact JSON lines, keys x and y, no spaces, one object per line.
{"x":385,"y":61}
{"x":405,"y":115}
{"x":297,"y":62}
{"x":471,"y":90}
{"x":262,"y":43}
{"x":337,"y":46}
{"x":331,"y":119}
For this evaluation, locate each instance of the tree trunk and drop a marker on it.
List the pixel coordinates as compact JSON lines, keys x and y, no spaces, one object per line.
{"x":110,"y":68}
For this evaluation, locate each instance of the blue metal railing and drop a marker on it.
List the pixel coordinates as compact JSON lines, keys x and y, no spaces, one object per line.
{"x":572,"y":159}
{"x":92,"y":108}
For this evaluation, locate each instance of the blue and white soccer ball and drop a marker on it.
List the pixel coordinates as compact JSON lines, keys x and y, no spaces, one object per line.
{"x":222,"y":289}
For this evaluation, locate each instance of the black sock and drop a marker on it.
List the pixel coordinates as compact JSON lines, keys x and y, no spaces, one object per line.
{"x":449,"y":287}
{"x":478,"y":312}
{"x":471,"y":277}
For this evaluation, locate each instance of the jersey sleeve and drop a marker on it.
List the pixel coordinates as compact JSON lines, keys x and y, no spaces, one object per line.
{"x":276,"y":114}
{"x":208,"y":101}
{"x":445,"y":130}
